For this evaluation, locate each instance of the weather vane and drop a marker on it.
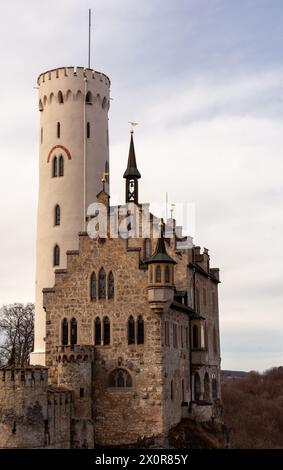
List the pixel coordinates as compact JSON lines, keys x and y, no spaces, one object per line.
{"x":133,"y":125}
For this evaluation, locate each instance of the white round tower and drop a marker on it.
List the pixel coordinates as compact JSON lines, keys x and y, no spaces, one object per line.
{"x":74,"y":154}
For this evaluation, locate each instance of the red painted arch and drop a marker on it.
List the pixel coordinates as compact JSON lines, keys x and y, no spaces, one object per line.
{"x":68,"y":153}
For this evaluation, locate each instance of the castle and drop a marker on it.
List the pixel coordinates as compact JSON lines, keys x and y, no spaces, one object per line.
{"x":126,"y":327}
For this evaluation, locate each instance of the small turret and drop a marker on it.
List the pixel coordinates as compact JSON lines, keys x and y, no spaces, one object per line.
{"x":132,"y":175}
{"x":160,"y":275}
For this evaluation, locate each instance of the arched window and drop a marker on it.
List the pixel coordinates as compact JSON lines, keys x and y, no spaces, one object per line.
{"x":214,"y":387}
{"x":106,"y":331}
{"x":65,"y":332}
{"x":88,"y":130}
{"x":172,"y":390}
{"x":58,"y":130}
{"x":61,"y":166}
{"x":147,"y":248}
{"x":56,"y":256}
{"x":167,"y":274}
{"x":110,"y":289}
{"x":120,"y":378}
{"x":197,"y":388}
{"x":57,"y":215}
{"x":54,"y":167}
{"x":140,"y":330}
{"x":158,"y":274}
{"x":206,"y":387}
{"x":60,"y":97}
{"x":88,"y":98}
{"x":195,"y":337}
{"x":74,"y":332}
{"x":40,"y":105}
{"x":97,"y":331}
{"x":93,"y":286}
{"x":101,"y":284}
{"x":131,"y":330}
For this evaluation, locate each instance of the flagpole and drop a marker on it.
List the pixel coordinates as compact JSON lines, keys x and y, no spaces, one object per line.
{"x":89,"y":36}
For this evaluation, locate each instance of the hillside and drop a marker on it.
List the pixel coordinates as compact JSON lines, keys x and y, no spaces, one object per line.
{"x":253,"y":410}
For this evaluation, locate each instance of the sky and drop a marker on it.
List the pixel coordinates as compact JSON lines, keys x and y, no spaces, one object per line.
{"x":204,"y":80}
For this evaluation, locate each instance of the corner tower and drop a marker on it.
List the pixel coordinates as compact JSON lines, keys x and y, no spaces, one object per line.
{"x":74,"y":154}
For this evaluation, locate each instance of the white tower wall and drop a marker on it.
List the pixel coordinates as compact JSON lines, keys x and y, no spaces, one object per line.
{"x":84,"y":163}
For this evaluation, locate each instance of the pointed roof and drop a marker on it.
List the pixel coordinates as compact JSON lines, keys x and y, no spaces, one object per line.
{"x":160,"y":255}
{"x":132,"y":170}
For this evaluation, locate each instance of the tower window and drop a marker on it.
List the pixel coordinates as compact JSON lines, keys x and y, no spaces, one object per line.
{"x":195,"y":337}
{"x":140,"y":338}
{"x":106,"y":331}
{"x":131,"y":330}
{"x":57,"y":215}
{"x":93,"y":286}
{"x":56,"y":256}
{"x":74,"y":332}
{"x":55,"y":167}
{"x":60,"y":97}
{"x":167,"y":334}
{"x":61,"y":166}
{"x":158,"y":274}
{"x":110,"y":285}
{"x":65,"y":328}
{"x":175,"y":335}
{"x":101,"y":284}
{"x":82,"y":392}
{"x":58,"y":130}
{"x":88,"y":130}
{"x":167,"y":274}
{"x":214,"y":387}
{"x":97,"y":331}
{"x":88,"y":98}
{"x":120,"y":378}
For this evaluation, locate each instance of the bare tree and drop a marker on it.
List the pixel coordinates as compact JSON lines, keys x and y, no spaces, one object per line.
{"x":16,"y":334}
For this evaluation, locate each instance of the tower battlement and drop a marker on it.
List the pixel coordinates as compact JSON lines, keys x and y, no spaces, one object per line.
{"x":79,"y":72}
{"x":16,"y":377}
{"x":76,"y":353}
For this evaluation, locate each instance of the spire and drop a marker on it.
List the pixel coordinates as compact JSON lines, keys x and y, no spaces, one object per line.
{"x":132,"y":175}
{"x":160,"y":255}
{"x":132,"y":170}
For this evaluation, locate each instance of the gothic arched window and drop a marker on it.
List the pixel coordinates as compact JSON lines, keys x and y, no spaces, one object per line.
{"x":206,"y":387}
{"x":131,"y":330}
{"x":61,"y":166}
{"x":106,"y":331}
{"x":97,"y":331}
{"x":195,"y":337}
{"x":88,"y":98}
{"x":197,"y":388}
{"x":93,"y":286}
{"x":110,"y":289}
{"x":158,"y":274}
{"x":54,"y":167}
{"x":101,"y":284}
{"x":74,"y":332}
{"x":60,"y":97}
{"x":88,"y":130}
{"x":120,"y":378}
{"x":57,"y":215}
{"x":167,"y":274}
{"x":140,"y":338}
{"x":65,"y":331}
{"x":56,"y":256}
{"x":172,"y":390}
{"x":58,"y":130}
{"x":214,"y":387}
